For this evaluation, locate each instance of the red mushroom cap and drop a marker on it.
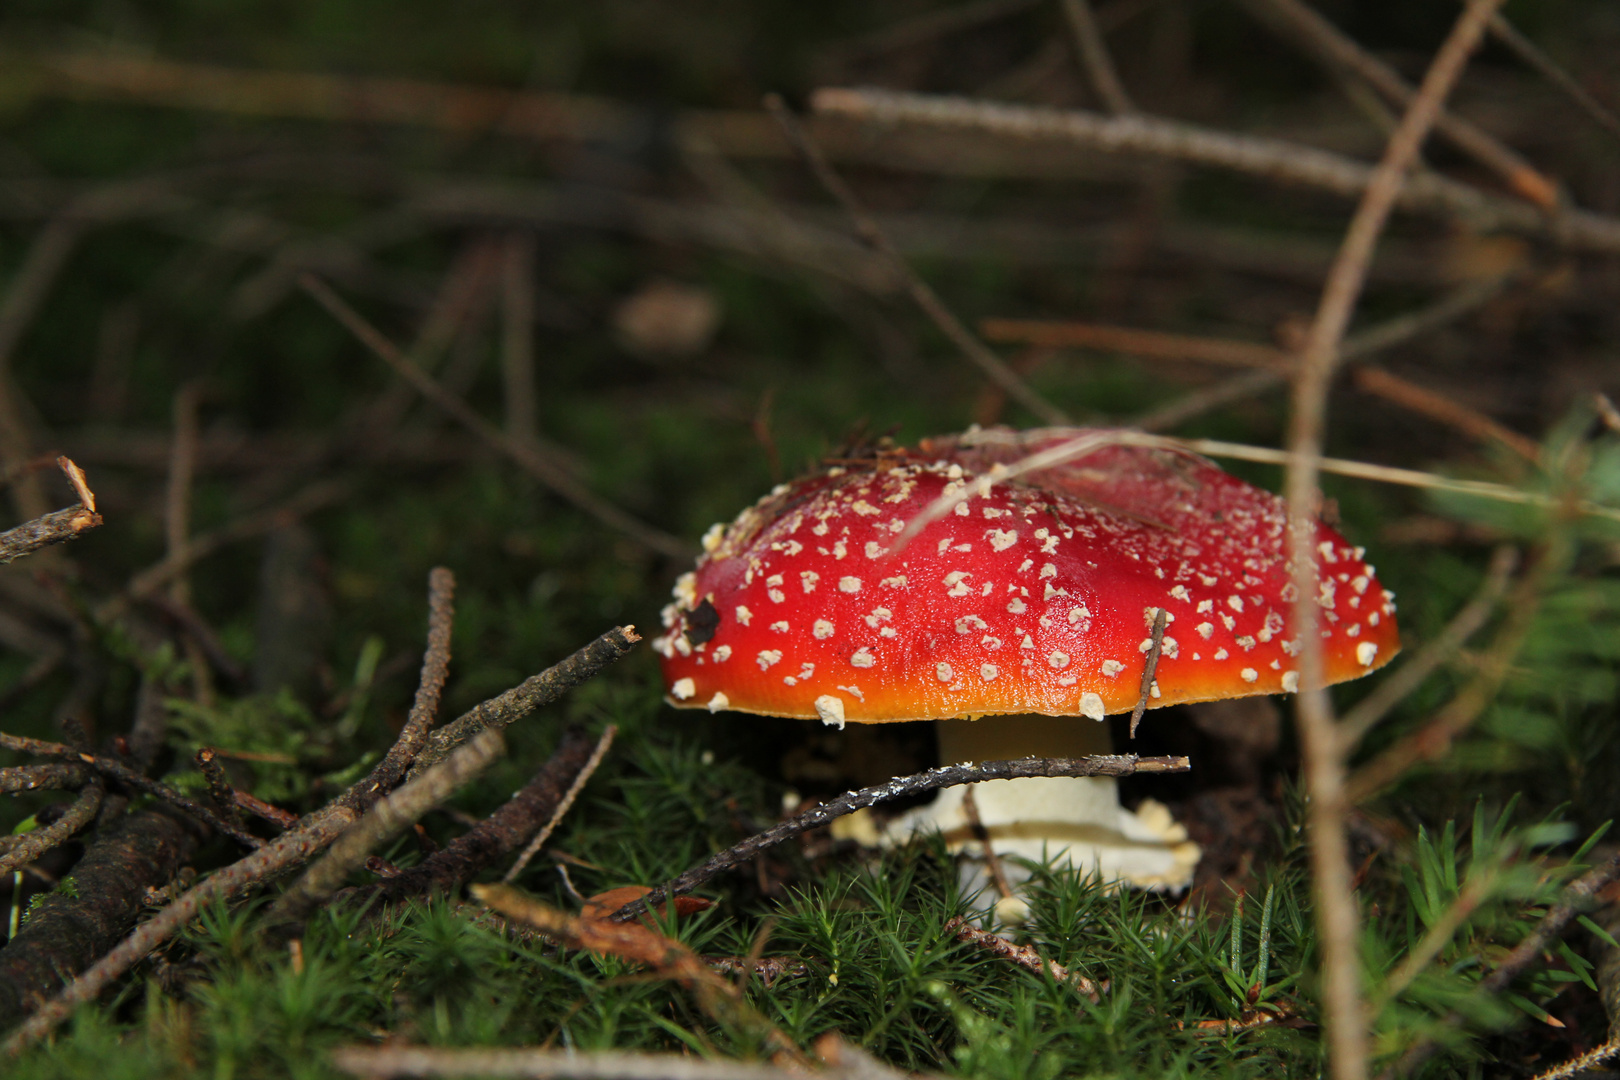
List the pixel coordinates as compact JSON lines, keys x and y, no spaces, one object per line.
{"x":1038,"y":595}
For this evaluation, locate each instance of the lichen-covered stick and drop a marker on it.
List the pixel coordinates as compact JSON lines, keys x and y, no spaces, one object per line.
{"x":900,"y":786}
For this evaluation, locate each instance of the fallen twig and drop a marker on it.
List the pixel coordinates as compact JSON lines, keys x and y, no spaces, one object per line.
{"x":538,"y":1063}
{"x":220,"y":791}
{"x":533,"y":456}
{"x":1273,"y":159}
{"x":1531,"y":54}
{"x":1446,"y":410}
{"x":55,"y":527}
{"x":57,"y":776}
{"x":117,"y":771}
{"x":585,"y":773}
{"x":1442,"y":728}
{"x":993,"y":367}
{"x":1023,"y":955}
{"x":388,"y":817}
{"x":641,"y":943}
{"x":1149,"y":669}
{"x":66,"y":932}
{"x":900,"y":786}
{"x":435,"y":670}
{"x":31,"y":845}
{"x":1069,"y":334}
{"x":287,"y":850}
{"x":1575,"y":1066}
{"x":492,"y":839}
{"x":531,"y":694}
{"x":1363,"y":343}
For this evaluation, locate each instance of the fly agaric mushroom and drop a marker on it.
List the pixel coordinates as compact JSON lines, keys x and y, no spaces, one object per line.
{"x":1036,"y":594}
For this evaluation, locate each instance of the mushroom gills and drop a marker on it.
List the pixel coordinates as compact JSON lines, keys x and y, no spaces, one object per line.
{"x":1074,"y":822}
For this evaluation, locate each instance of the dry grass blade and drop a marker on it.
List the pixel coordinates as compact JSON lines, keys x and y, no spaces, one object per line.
{"x":529,"y":454}
{"x":1088,"y":441}
{"x":975,"y":350}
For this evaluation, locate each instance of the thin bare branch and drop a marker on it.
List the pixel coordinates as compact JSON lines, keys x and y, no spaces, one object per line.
{"x":1441,"y":730}
{"x":1337,"y":918}
{"x":1364,"y":343}
{"x":532,"y":456}
{"x":1532,"y":54}
{"x":435,"y":670}
{"x":56,"y":527}
{"x":531,"y":694}
{"x":117,"y":771}
{"x":1094,"y":57}
{"x":1336,"y":48}
{"x":1273,"y":159}
{"x":540,"y":838}
{"x":32,"y":845}
{"x":319,"y":494}
{"x":1134,"y":342}
{"x":1150,"y":669}
{"x":287,"y":850}
{"x":386,"y":819}
{"x":1409,"y":395}
{"x":900,"y":786}
{"x":220,"y":791}
{"x":1576,"y":898}
{"x":993,"y":367}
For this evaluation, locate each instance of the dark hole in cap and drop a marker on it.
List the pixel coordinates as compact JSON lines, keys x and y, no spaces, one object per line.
{"x":701,"y":623}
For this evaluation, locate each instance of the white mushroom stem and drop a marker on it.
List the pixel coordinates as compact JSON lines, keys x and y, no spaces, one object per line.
{"x":1073,"y":821}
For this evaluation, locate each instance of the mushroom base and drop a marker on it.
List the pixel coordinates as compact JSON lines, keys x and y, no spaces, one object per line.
{"x":1076,"y":822}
